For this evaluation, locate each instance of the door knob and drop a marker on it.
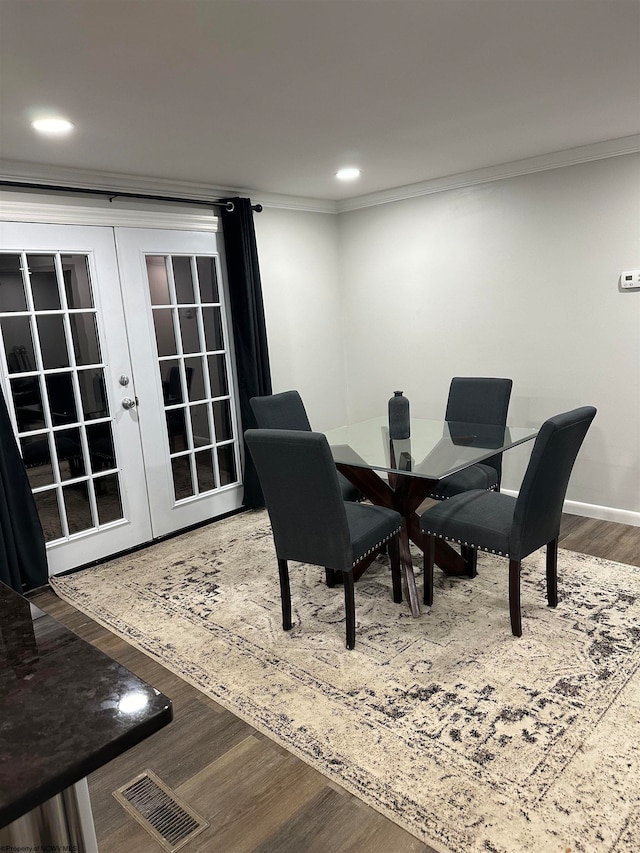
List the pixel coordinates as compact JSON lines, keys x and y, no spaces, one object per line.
{"x":128,"y":403}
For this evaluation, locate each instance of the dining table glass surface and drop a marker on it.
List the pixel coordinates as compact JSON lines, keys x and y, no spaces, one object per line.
{"x":434,"y":450}
{"x":401,"y":473}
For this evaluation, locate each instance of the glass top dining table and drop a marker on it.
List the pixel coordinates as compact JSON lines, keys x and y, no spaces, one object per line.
{"x":434,"y":450}
{"x":401,"y":473}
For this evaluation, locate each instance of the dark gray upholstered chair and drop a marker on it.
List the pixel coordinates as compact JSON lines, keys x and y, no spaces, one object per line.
{"x":311,"y":522}
{"x":515,"y":527}
{"x":286,"y":411}
{"x":476,"y":400}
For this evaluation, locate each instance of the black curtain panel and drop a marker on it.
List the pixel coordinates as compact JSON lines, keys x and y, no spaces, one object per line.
{"x":23,"y":557}
{"x":249,"y":330}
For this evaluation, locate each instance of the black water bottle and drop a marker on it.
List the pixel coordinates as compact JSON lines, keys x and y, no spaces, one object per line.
{"x":399,"y":424}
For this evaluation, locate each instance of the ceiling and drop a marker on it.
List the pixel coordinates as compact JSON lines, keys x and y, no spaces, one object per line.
{"x":273,"y":96}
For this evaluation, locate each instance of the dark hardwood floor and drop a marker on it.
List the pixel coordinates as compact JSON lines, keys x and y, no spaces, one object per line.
{"x":257,"y":797}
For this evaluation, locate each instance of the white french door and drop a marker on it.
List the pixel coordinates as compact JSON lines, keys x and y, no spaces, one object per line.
{"x":175,"y":303}
{"x":116,"y":367}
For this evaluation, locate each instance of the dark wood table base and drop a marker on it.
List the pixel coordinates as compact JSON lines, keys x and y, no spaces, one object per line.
{"x":405,"y":493}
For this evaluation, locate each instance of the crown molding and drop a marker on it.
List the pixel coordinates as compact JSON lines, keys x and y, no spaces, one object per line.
{"x":29,"y":173}
{"x":62,"y":176}
{"x":15,"y":170}
{"x":555,"y":160}
{"x":294,"y":202}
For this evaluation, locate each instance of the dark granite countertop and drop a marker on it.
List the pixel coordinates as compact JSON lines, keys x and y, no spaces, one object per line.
{"x":66,"y":708}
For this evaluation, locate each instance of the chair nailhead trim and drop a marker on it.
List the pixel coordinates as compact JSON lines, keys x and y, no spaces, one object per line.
{"x":438,"y":497}
{"x":468,"y":544}
{"x":375,"y":547}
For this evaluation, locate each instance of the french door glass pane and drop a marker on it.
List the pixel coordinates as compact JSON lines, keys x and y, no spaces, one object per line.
{"x":182,"y":481}
{"x":93,"y":393}
{"x":12,"y":295}
{"x":44,"y":283}
{"x":165,"y":335}
{"x":227,"y":465}
{"x":171,"y":383}
{"x":77,"y":285}
{"x":202,"y":436}
{"x":194,"y":370}
{"x":194,"y":363}
{"x":50,"y":341}
{"x":29,"y":408}
{"x":18,"y":343}
{"x":85,"y":338}
{"x":205,"y":471}
{"x":207,"y":279}
{"x":183,"y":279}
{"x":36,"y":455}
{"x":77,"y":503}
{"x":212,"y":319}
{"x":49,"y":512}
{"x":69,"y":453}
{"x":53,"y":345}
{"x":158,"y":280}
{"x":62,"y":402}
{"x":222,"y":418}
{"x":189,"y":335}
{"x":108,"y":498}
{"x":218,"y":376}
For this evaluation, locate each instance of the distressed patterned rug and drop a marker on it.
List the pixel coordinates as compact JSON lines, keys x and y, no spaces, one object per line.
{"x":469,"y":738}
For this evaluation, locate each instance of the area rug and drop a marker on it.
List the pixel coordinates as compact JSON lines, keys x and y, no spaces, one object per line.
{"x":470,"y":738}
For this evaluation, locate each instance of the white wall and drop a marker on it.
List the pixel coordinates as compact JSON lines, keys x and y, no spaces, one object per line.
{"x":301,"y":288}
{"x":517,"y":278}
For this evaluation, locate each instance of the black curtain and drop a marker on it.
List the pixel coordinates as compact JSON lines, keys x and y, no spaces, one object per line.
{"x":23,"y":557}
{"x":249,"y":330}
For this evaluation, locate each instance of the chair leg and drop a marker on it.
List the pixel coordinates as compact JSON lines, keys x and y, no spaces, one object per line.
{"x":552,"y":573}
{"x":470,"y":556}
{"x":331,"y":577}
{"x":350,"y":608}
{"x":393,"y":548}
{"x":514,"y":597}
{"x":285,"y":594}
{"x":429,"y":550}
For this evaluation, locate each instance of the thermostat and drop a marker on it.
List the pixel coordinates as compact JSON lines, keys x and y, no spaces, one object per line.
{"x":630,"y":280}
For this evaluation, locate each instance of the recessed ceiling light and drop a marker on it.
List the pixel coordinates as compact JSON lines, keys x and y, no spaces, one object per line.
{"x":348,"y":174}
{"x":52,"y":126}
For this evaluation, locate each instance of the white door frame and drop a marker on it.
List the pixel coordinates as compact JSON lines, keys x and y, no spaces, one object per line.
{"x":32,"y":209}
{"x":134,"y":245}
{"x":98,"y":245}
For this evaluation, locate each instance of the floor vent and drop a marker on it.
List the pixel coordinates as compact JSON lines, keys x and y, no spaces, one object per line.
{"x":163,"y":814}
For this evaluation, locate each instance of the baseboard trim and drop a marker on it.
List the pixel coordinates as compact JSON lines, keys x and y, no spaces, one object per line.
{"x":602,"y":513}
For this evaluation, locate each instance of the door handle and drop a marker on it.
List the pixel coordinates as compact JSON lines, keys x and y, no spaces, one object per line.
{"x":128,"y":403}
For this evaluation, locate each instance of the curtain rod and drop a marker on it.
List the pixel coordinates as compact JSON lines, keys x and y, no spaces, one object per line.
{"x":228,"y":205}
